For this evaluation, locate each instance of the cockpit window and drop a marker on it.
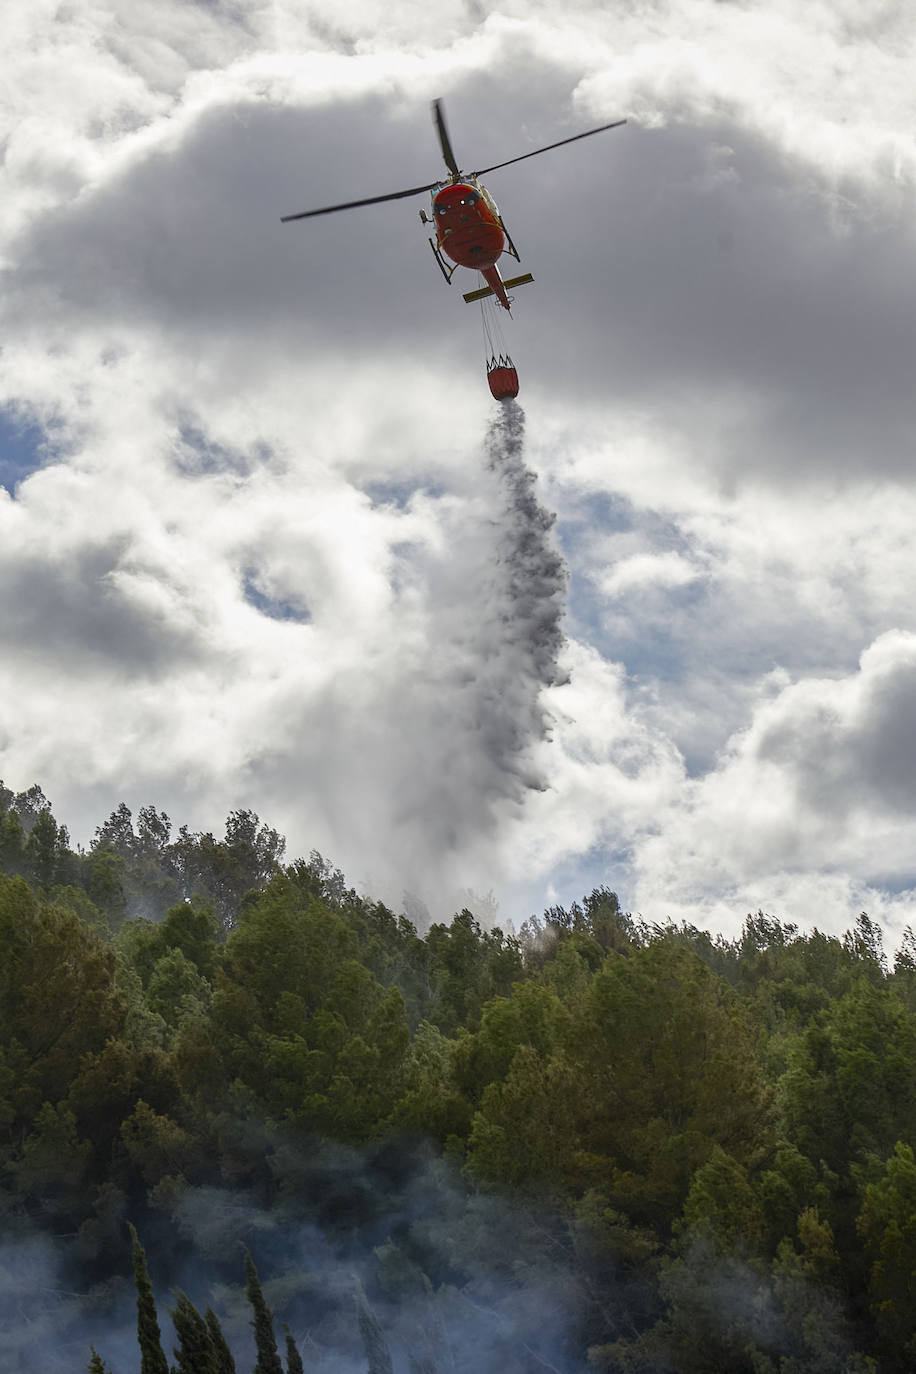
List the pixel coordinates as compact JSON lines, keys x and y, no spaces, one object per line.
{"x":470,"y":197}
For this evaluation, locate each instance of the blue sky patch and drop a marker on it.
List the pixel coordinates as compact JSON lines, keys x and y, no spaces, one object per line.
{"x":21,"y":448}
{"x":276,"y":610}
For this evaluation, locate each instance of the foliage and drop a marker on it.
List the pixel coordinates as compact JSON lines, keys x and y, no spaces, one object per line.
{"x":293,"y":1358}
{"x":705,"y":1146}
{"x":196,"y":1354}
{"x":268,"y":1361}
{"x":152,"y":1358}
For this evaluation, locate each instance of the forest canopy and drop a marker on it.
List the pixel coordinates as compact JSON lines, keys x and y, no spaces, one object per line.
{"x":590,"y":1143}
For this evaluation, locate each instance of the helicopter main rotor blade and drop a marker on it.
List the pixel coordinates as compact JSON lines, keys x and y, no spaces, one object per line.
{"x":444,"y":140}
{"x":588,"y":133}
{"x":352,"y":204}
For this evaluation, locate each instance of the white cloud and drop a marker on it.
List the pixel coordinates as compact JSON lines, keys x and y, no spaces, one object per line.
{"x":647,"y":570}
{"x":815,"y":795}
{"x":263,"y":564}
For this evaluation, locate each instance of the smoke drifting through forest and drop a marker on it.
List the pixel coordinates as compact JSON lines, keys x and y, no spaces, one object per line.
{"x":455,"y":1283}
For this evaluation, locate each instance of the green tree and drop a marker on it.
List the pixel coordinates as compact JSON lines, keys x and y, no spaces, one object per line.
{"x":887,"y":1224}
{"x":268,"y":1361}
{"x":904,"y":976}
{"x":224,"y":871}
{"x":225,"y":1364}
{"x":152,"y":1358}
{"x":58,"y":996}
{"x":176,"y":986}
{"x":53,"y":1161}
{"x":468,"y":966}
{"x":156,"y":1143}
{"x":117,"y":833}
{"x":653,"y":1068}
{"x":293,"y":1358}
{"x":47,"y":857}
{"x":722,"y":1206}
{"x":12,"y":842}
{"x":849,"y":1089}
{"x":195,"y":1354}
{"x":378,"y":1355}
{"x":96,"y":1364}
{"x":866,"y":945}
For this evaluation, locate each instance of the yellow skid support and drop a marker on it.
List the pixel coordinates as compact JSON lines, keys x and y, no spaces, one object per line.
{"x":488,"y":290}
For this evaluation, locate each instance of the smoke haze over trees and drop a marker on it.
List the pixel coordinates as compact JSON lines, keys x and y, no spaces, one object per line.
{"x":588,"y":1144}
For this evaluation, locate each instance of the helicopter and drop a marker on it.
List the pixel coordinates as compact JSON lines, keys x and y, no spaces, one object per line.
{"x":469,"y":228}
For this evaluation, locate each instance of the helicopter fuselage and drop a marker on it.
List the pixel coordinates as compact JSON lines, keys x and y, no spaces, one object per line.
{"x":469,"y":230}
{"x":468,"y":225}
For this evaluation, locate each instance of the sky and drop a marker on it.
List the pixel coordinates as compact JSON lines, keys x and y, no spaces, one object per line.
{"x":266,"y":541}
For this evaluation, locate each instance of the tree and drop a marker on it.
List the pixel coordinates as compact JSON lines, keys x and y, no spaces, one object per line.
{"x":152,"y":1358}
{"x":104,"y":873}
{"x":224,"y":871}
{"x":653,"y":1068}
{"x":887,"y":1223}
{"x":117,"y":833}
{"x":155,"y":1143}
{"x":848,"y":1089}
{"x":195,"y":1354}
{"x":268,"y":1361}
{"x":866,"y":944}
{"x":96,"y":1364}
{"x":293,"y":1358}
{"x":154,"y":830}
{"x":58,"y":997}
{"x":377,"y":1353}
{"x":53,"y":1161}
{"x":47,"y":856}
{"x":225,"y":1364}
{"x":29,"y":805}
{"x":12,"y":841}
{"x":721,"y":1205}
{"x":174,"y":985}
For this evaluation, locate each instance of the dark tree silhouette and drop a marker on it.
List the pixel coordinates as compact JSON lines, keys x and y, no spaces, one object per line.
{"x":152,"y":1358}
{"x":268,"y":1361}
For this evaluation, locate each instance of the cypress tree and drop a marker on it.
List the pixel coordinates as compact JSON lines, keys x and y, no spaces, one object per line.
{"x":293,"y":1358}
{"x":377,"y":1352}
{"x":196,"y":1354}
{"x":152,"y":1358}
{"x":225,"y":1364}
{"x":268,"y":1361}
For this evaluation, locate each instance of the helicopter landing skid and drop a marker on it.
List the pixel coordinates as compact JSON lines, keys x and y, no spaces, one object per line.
{"x":447,"y":271}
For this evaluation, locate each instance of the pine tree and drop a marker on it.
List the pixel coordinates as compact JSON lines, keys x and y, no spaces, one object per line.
{"x":268,"y":1361}
{"x":96,"y":1365}
{"x":152,"y":1359}
{"x":225,"y":1364}
{"x":293,"y":1358}
{"x":196,"y":1354}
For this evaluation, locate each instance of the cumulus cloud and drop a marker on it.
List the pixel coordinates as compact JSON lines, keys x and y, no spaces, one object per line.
{"x":367,"y":674}
{"x":848,"y":745}
{"x":812,"y":802}
{"x":262,"y":547}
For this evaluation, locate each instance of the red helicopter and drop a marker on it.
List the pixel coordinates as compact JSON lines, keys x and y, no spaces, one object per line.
{"x":469,"y":230}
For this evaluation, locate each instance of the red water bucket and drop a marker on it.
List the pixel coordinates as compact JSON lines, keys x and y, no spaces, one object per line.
{"x":503,"y":379}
